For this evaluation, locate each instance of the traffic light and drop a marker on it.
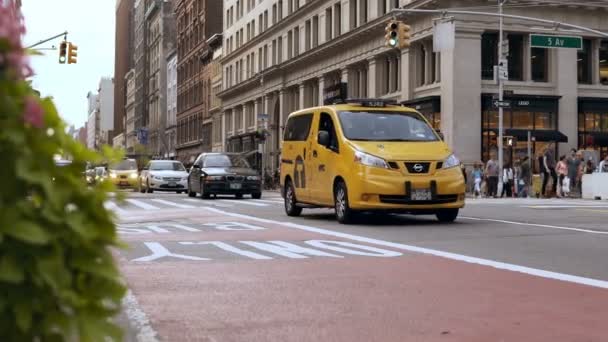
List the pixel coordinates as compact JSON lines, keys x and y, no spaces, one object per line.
{"x":72,"y":54}
{"x":404,"y":35}
{"x":392,"y":36}
{"x":63,"y":47}
{"x":510,"y":141}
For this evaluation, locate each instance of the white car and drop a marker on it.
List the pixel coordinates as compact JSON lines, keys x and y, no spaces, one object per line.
{"x":163,"y":175}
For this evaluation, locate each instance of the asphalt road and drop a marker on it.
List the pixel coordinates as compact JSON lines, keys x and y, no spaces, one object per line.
{"x":240,"y":270}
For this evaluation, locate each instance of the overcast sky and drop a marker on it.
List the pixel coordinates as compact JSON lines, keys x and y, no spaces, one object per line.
{"x":90,"y":25}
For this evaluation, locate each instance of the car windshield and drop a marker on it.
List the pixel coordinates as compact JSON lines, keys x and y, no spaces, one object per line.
{"x":99,"y":171}
{"x":167,"y":166}
{"x":225,"y":160}
{"x":385,"y":126}
{"x":127,"y":164}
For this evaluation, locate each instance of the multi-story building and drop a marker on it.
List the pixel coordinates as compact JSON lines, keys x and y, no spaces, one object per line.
{"x":170,"y":130}
{"x":197,"y":20}
{"x":105,"y":99}
{"x":131,"y":133}
{"x":82,"y":134}
{"x":215,"y":107}
{"x":140,"y":60}
{"x":160,"y":27}
{"x":123,"y":60}
{"x":92,"y":121}
{"x":279,"y":56}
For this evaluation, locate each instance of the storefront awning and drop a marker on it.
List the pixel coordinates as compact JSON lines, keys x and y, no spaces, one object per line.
{"x":599,"y":138}
{"x":544,"y":135}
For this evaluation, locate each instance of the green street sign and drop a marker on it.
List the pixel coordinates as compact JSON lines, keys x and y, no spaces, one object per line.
{"x":567,"y":42}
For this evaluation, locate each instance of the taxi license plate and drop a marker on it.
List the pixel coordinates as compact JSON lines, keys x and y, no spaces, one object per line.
{"x":123,"y":183}
{"x":235,"y":186}
{"x":421,"y":195}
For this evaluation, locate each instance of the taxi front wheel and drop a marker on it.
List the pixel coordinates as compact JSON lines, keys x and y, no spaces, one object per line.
{"x":291,"y":208}
{"x":344,"y":214}
{"x":447,"y":215}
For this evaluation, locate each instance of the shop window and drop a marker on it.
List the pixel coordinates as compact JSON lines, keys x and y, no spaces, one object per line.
{"x":539,"y":62}
{"x":489,"y":58}
{"x":522,"y":120}
{"x":604,"y":62}
{"x":584,"y":63}
{"x":516,"y":57}
{"x":544,"y":120}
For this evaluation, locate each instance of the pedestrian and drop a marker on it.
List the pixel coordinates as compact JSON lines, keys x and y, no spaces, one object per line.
{"x":604,"y":165}
{"x":548,"y":167}
{"x":574,"y":161}
{"x":525,"y":177}
{"x":589,"y":166}
{"x":562,"y":173}
{"x":477,"y":177}
{"x":492,"y":177}
{"x":507,"y":181}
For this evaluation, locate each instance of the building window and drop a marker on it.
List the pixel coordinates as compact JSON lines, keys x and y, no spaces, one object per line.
{"x":266,"y":20}
{"x":315,"y":31}
{"x":363,"y":14}
{"x":260,"y":60}
{"x":353,"y":14}
{"x":328,"y":24}
{"x":422,"y":59}
{"x":382,"y":7}
{"x":337,"y":20}
{"x":584,"y":63}
{"x":280,"y":50}
{"x":489,"y":58}
{"x":274,"y":52}
{"x":539,"y":61}
{"x":604,"y":62}
{"x":280,"y":9}
{"x":261,"y":23}
{"x":516,"y":57}
{"x":289,"y":44}
{"x":265,"y":56}
{"x":307,"y":35}
{"x":296,"y":41}
{"x":274,"y":14}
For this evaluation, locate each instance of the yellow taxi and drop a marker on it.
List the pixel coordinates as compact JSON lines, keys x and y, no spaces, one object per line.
{"x":124,"y":174}
{"x":368,"y":155}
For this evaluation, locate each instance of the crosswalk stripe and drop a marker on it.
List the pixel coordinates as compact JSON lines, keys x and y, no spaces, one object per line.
{"x":269,"y":201}
{"x":173,"y":204}
{"x":245,"y":202}
{"x":110,"y":205}
{"x":142,"y":205}
{"x":210,"y":202}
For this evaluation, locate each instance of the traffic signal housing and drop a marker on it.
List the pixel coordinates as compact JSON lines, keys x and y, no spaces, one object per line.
{"x":392,"y":35}
{"x":510,"y":141}
{"x":404,"y":35}
{"x":63,"y":48}
{"x":72,"y":54}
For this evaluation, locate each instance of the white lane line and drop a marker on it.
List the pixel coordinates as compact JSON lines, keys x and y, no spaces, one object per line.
{"x":142,"y":205}
{"x":269,"y":201}
{"x":138,"y":319}
{"x":173,"y":204}
{"x":209,"y":203}
{"x":245,"y":202}
{"x":582,"y":230}
{"x":557,"y":206}
{"x":448,"y":255}
{"x":110,"y":205}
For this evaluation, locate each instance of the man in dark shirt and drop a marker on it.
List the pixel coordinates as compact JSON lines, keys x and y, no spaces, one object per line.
{"x":549,"y":168}
{"x":574,"y":163}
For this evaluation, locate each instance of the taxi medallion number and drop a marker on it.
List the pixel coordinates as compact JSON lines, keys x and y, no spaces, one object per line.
{"x":421,"y":195}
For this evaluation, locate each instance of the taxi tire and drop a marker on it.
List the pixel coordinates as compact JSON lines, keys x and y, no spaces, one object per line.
{"x":141,"y":188}
{"x":344,"y":214}
{"x":290,"y":202}
{"x":148,"y":188}
{"x":447,"y":215}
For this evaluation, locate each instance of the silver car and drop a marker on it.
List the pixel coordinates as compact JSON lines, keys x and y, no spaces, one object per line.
{"x":163,"y":175}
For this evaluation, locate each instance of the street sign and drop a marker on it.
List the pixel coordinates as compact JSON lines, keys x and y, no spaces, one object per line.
{"x":501,"y":104}
{"x":503,"y":70}
{"x":545,"y":41}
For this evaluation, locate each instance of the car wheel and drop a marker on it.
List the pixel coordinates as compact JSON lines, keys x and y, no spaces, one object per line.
{"x":204,"y":194}
{"x":239,"y":196}
{"x":148,"y":188}
{"x":190,"y":193}
{"x":447,"y":215}
{"x":344,"y":214}
{"x":256,"y":195}
{"x":178,"y":192}
{"x":291,"y":208}
{"x":141,"y":187}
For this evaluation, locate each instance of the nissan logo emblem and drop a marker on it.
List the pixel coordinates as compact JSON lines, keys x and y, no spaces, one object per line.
{"x":418,"y":168}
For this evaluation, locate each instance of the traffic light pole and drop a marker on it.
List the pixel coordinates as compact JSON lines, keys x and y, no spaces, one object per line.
{"x":500,"y":97}
{"x":64,"y":34}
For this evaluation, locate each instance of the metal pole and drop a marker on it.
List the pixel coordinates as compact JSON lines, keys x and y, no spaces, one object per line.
{"x":530,"y":162}
{"x":500,"y":97}
{"x":65,"y":34}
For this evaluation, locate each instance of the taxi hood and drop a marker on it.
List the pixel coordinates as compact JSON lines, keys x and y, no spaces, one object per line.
{"x":404,"y":150}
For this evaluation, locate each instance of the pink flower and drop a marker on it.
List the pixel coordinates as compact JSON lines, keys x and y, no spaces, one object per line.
{"x":33,"y":113}
{"x":12,"y":29}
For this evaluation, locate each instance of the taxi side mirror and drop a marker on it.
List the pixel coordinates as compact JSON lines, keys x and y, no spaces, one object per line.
{"x":441,"y":136}
{"x":323,"y":138}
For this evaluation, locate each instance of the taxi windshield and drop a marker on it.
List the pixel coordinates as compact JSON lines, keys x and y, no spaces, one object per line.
{"x":385,"y":126}
{"x":127,"y":164}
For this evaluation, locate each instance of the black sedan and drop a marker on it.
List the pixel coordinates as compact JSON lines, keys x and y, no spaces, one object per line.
{"x":223,"y":174}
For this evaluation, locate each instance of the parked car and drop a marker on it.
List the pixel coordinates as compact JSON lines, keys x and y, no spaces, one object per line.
{"x":163,"y":175}
{"x":223,"y":174}
{"x":124,"y":174}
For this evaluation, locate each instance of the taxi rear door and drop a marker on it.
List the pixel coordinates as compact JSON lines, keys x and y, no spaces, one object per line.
{"x":296,"y":153}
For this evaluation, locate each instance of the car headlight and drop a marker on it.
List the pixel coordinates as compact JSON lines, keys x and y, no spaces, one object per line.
{"x":89,"y":179}
{"x":370,"y":160}
{"x":133,"y":175}
{"x":253,"y":178}
{"x":184,"y":179}
{"x":112,"y":175}
{"x":157,"y":177}
{"x":214,"y":178}
{"x":451,"y":161}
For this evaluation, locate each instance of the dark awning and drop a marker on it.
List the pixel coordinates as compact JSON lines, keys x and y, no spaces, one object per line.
{"x":599,"y":138}
{"x":544,"y":135}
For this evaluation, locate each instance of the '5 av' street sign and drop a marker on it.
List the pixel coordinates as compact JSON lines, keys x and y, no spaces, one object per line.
{"x":545,"y":41}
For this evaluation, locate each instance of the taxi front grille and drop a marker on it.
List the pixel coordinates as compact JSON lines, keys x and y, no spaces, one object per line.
{"x":401,"y":199}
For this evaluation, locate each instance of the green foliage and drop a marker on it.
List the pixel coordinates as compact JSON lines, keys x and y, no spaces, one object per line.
{"x":58,"y":278}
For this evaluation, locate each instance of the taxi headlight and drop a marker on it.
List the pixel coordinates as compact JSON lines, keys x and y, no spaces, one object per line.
{"x":112,"y":175}
{"x":370,"y":160}
{"x":451,"y":161}
{"x":133,"y":175}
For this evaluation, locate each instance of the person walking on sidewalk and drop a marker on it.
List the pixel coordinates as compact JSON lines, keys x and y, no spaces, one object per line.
{"x":604,"y":165}
{"x":549,"y":168}
{"x":525,"y":177}
{"x":562,"y":172}
{"x":477,"y":178}
{"x":507,"y":181}
{"x":574,"y":162}
{"x":492,"y":174}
